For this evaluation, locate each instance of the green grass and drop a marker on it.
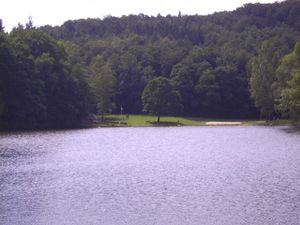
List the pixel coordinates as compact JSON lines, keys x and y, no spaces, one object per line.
{"x":148,"y":120}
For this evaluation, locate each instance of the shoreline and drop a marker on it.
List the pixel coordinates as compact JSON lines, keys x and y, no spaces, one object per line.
{"x":118,"y":121}
{"x":172,"y":121}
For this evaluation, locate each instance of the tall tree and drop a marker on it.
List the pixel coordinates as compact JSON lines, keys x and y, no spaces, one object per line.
{"x":6,"y":66}
{"x":37,"y":86}
{"x":289,"y":74}
{"x":159,"y":97}
{"x":207,"y":91}
{"x":102,"y":82}
{"x":1,"y":26}
{"x":263,"y":68}
{"x":182,"y":78}
{"x":292,"y":96}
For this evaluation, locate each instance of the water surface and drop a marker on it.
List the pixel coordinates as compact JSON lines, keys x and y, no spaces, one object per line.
{"x":151,"y":176}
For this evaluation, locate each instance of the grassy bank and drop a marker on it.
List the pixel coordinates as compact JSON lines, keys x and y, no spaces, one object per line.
{"x":148,"y":120}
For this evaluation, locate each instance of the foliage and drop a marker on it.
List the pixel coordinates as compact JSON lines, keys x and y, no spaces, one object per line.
{"x":159,"y":97}
{"x":222,"y":65}
{"x":263,"y":77}
{"x":38,"y":87}
{"x":1,"y":26}
{"x":102,"y":83}
{"x":289,"y":74}
{"x":206,"y":57}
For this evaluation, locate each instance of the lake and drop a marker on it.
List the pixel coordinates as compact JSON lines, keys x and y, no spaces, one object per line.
{"x":151,"y":176}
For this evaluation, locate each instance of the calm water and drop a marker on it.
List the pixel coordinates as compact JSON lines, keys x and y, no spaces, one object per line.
{"x":151,"y":176}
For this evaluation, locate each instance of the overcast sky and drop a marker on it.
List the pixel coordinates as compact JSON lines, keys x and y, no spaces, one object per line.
{"x":55,"y":12}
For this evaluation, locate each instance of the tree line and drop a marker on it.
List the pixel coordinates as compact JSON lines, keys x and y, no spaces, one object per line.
{"x":275,"y":81}
{"x":38,"y":86}
{"x":238,"y":64}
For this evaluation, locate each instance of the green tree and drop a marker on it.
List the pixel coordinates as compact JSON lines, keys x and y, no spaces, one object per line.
{"x":182,"y":78}
{"x":102,"y":82}
{"x":23,"y":106}
{"x":140,"y":48}
{"x":292,"y":96}
{"x":159,"y":97}
{"x":207,"y":91}
{"x":289,"y":72}
{"x":128,"y":81}
{"x":5,"y":67}
{"x":263,"y":68}
{"x":1,"y":26}
{"x":37,"y":87}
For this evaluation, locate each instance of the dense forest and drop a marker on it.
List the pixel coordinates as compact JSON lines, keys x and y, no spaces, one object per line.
{"x":239,"y":64}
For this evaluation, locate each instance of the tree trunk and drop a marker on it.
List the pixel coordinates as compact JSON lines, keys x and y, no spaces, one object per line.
{"x":158,"y":117}
{"x":102,"y":117}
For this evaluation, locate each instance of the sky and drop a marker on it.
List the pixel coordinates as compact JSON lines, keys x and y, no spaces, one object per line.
{"x":56,"y":12}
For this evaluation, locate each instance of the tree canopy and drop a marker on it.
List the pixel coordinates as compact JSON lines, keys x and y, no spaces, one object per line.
{"x":228,"y":64}
{"x":289,"y":69}
{"x":206,"y":57}
{"x":102,"y":83}
{"x":38,"y":89}
{"x":159,"y":97}
{"x":263,"y":76}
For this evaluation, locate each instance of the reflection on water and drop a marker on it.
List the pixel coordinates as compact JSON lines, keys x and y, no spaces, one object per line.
{"x":151,"y":176}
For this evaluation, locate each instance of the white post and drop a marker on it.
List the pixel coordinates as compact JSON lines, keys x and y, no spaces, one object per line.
{"x":121,"y":111}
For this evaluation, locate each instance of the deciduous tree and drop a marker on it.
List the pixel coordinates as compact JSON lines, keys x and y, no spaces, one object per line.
{"x":102,"y":82}
{"x":159,"y":97}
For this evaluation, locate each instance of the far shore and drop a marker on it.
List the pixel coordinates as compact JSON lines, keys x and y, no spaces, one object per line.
{"x":148,"y":121}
